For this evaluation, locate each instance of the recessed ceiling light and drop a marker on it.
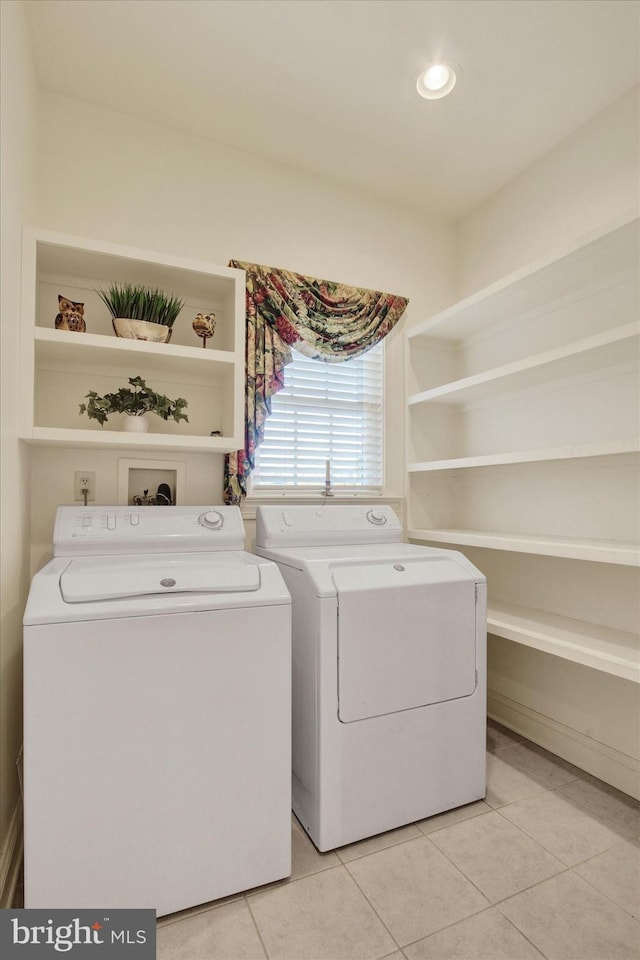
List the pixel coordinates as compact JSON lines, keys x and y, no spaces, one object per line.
{"x":437,"y":80}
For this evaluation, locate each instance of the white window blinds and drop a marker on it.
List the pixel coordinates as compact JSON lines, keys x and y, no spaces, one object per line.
{"x":327,"y":411}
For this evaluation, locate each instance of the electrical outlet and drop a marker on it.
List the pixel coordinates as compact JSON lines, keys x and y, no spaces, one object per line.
{"x":84,"y":480}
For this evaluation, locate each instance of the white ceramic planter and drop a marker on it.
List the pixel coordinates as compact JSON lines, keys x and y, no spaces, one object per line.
{"x":141,"y":330}
{"x":136,"y":424}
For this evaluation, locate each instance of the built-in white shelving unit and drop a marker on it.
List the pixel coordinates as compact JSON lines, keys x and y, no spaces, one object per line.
{"x":59,"y":367}
{"x":523,"y":440}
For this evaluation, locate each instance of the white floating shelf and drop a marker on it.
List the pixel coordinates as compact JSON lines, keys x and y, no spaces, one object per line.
{"x":108,"y":439}
{"x":607,"y":254}
{"x":578,"y":452}
{"x":600,"y":551}
{"x":610,"y":651}
{"x":56,"y":349}
{"x":607,"y":349}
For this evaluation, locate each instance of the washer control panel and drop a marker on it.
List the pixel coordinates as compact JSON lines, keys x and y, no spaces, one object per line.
{"x":119,"y":529}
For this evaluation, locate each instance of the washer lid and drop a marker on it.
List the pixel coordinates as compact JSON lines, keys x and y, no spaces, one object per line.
{"x":105,"y":578}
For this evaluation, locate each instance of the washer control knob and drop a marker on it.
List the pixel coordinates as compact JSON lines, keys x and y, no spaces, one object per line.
{"x":376,"y":517}
{"x":212,"y":520}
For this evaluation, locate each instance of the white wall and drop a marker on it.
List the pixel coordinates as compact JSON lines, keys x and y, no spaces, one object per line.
{"x":18,"y":110}
{"x":108,"y":176}
{"x":588,"y":179}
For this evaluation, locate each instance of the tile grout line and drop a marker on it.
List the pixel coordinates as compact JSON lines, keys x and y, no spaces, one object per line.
{"x":458,"y":868}
{"x":490,"y":904}
{"x":358,"y":887}
{"x":499,"y":904}
{"x":288,"y":881}
{"x":169,"y":918}
{"x":606,"y":895}
{"x":481,"y":813}
{"x":400,"y":843}
{"x":551,"y":852}
{"x":523,"y":934}
{"x":478,"y":913}
{"x":257,"y":928}
{"x":398,"y":945}
{"x":344,"y":867}
{"x":336,"y":866}
{"x":588,"y":810}
{"x":556,"y":856}
{"x":496,"y":903}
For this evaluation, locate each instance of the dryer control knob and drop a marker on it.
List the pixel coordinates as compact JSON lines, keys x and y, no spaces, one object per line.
{"x":374,"y":516}
{"x":212,"y":520}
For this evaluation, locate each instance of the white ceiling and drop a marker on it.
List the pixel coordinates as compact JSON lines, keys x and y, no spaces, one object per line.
{"x":329,"y":85}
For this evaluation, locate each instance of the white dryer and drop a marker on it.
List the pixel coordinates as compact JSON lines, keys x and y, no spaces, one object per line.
{"x":389,"y":670}
{"x":157,"y":729}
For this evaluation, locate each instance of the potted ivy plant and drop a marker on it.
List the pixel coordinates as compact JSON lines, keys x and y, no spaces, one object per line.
{"x":135,"y":401}
{"x":139,"y":312}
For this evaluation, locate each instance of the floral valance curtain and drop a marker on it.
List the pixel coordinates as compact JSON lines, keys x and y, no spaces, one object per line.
{"x":321,"y":319}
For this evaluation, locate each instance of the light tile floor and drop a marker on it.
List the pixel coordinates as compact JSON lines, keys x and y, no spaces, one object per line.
{"x":548,"y":866}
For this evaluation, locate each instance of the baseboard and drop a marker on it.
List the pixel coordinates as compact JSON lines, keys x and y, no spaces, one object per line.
{"x":11,"y":858}
{"x":598,"y":759}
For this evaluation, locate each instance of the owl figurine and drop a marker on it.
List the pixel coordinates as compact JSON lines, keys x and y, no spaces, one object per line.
{"x":71,"y":316}
{"x":204,"y":325}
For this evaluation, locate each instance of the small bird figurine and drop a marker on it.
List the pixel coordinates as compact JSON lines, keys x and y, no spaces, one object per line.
{"x":204,"y":326}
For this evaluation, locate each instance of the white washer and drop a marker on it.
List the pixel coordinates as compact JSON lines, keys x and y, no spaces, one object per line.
{"x":389,"y":670}
{"x":157,"y":728}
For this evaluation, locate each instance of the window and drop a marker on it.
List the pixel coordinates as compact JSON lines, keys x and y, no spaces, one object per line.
{"x":327,"y":411}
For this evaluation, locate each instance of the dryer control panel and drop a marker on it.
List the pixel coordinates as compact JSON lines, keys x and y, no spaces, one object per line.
{"x":86,"y":531}
{"x":308,"y":526}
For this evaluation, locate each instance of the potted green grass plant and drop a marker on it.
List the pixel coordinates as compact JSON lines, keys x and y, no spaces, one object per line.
{"x":135,"y":401}
{"x":139,"y":312}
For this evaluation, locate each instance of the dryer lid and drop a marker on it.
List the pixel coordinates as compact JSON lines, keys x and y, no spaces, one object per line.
{"x":113,"y":578}
{"x":407,"y":635}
